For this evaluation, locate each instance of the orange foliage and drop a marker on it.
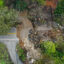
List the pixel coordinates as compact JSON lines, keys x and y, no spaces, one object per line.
{"x":51,"y":3}
{"x":21,"y":44}
{"x":19,"y":28}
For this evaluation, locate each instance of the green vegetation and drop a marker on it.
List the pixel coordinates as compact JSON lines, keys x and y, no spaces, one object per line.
{"x":39,"y":62}
{"x":40,"y":2}
{"x":21,"y":5}
{"x":21,"y":53}
{"x":59,"y":13}
{"x":2,"y":62}
{"x":60,"y":8}
{"x":53,"y":51}
{"x":49,"y":47}
{"x":1,"y":3}
{"x":8,"y":18}
{"x":4,"y":56}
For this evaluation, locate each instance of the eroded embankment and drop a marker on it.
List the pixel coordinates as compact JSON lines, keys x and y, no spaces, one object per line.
{"x":22,"y":33}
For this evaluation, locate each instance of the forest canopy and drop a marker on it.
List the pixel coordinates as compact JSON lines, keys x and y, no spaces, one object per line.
{"x":7,"y":19}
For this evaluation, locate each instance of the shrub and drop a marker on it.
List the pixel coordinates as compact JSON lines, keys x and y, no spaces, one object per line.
{"x":60,"y":8}
{"x":60,"y":46}
{"x":21,"y":5}
{"x":39,"y":62}
{"x":57,"y":60}
{"x":59,"y":13}
{"x":4,"y":55}
{"x":49,"y":47}
{"x":1,"y":3}
{"x":53,"y":51}
{"x":2,"y":62}
{"x":40,"y":2}
{"x":21,"y":53}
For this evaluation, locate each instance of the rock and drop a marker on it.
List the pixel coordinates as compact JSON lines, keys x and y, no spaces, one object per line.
{"x":38,"y":14}
{"x":29,"y":46}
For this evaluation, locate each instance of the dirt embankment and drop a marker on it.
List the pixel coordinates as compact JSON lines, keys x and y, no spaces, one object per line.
{"x":22,"y":33}
{"x":24,"y":24}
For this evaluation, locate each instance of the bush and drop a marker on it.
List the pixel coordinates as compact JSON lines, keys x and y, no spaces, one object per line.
{"x":60,"y":8}
{"x":21,"y":53}
{"x":59,"y":13}
{"x":39,"y":62}
{"x":21,"y":5}
{"x":2,"y":62}
{"x":49,"y":47}
{"x":53,"y":51}
{"x":4,"y":55}
{"x":57,"y":61}
{"x":40,"y":2}
{"x":60,"y":47}
{"x":1,"y":3}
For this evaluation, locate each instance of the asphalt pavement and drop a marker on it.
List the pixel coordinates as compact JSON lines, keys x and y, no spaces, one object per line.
{"x":10,"y":40}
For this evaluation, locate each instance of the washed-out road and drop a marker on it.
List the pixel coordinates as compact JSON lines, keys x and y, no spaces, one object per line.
{"x":11,"y":41}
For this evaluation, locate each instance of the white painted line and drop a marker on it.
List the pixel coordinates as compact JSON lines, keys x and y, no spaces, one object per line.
{"x":9,"y":39}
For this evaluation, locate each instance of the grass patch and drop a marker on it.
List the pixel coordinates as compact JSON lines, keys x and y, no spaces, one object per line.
{"x":4,"y":55}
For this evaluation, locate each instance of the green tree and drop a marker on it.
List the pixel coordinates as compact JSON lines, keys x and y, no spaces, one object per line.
{"x":49,"y":47}
{"x":21,"y":52}
{"x":1,"y":3}
{"x":21,"y":5}
{"x":60,"y":7}
{"x":8,"y":18}
{"x":41,"y":2}
{"x":59,"y":12}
